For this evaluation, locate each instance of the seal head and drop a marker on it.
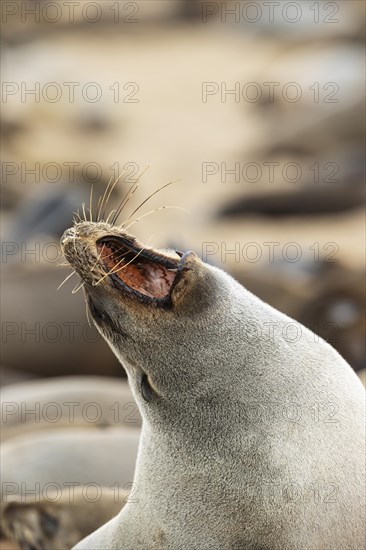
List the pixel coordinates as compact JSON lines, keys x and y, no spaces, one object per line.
{"x":141,"y":298}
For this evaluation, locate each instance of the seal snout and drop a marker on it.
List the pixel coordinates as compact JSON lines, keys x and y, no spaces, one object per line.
{"x":68,"y":234}
{"x":77,"y":247}
{"x":68,"y":241}
{"x":110,"y":257}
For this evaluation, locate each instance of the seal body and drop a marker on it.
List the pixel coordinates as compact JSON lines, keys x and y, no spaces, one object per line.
{"x":253,"y":427}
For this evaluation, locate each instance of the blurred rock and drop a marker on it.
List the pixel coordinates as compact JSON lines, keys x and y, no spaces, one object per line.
{"x":362,"y":376}
{"x":6,"y":544}
{"x":43,"y":334}
{"x":312,"y":201}
{"x":57,"y":522}
{"x":27,"y":19}
{"x":44,"y":331}
{"x":335,"y":310}
{"x":46,"y":212}
{"x":294,"y":22}
{"x":9,"y":376}
{"x":105,"y":457}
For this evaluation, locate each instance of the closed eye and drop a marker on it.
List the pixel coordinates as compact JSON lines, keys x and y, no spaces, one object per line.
{"x":146,"y":389}
{"x":97,"y":314}
{"x":102,"y":318}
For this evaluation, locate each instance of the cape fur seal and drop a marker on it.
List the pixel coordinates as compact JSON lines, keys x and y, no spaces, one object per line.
{"x":248,"y":440}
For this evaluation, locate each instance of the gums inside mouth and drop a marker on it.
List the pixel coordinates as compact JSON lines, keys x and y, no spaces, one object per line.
{"x":143,"y":271}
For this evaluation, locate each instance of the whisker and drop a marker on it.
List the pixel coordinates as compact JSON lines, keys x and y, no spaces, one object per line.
{"x":109,"y":215}
{"x":105,"y":257}
{"x":138,"y":182}
{"x":98,"y":205}
{"x":132,"y":190}
{"x":109,"y":272}
{"x":77,"y":214}
{"x":133,"y":259}
{"x":90,"y":246}
{"x":78,"y":287}
{"x":122,"y":226}
{"x":150,"y":196}
{"x":104,"y":194}
{"x":98,"y":258}
{"x":112,"y":271}
{"x":83,"y":208}
{"x":87,"y":314}
{"x":111,"y":190}
{"x":91,"y":203}
{"x":66,"y":279}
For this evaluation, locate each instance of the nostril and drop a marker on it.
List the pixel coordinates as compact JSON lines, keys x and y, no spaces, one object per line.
{"x":69,"y":234}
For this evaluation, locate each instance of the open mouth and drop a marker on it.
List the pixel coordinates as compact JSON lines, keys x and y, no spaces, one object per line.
{"x":144,"y":272}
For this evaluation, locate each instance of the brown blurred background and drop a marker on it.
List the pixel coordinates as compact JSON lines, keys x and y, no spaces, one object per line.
{"x":257,"y":108}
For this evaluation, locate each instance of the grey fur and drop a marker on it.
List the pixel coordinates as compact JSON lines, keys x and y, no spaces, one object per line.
{"x":256,"y":439}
